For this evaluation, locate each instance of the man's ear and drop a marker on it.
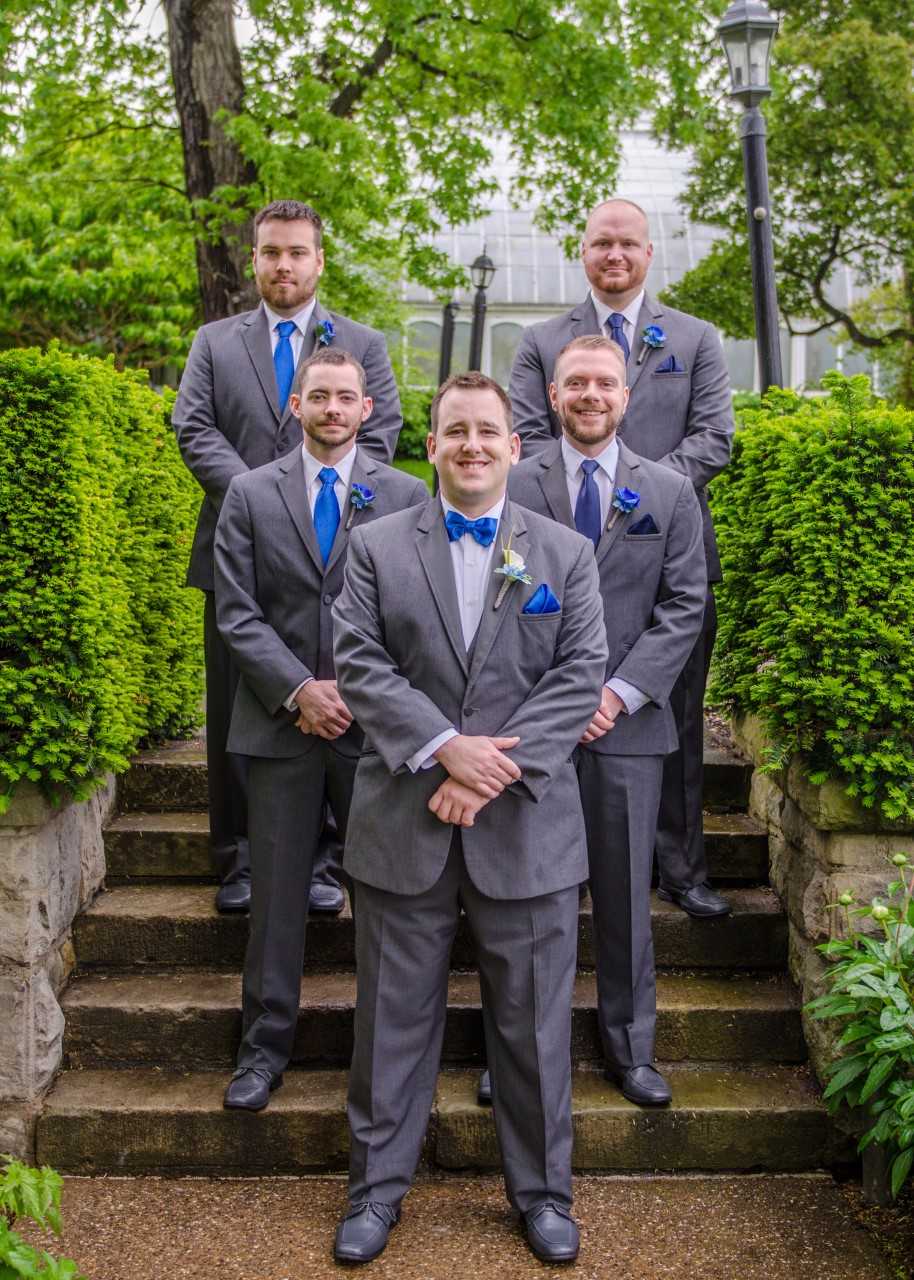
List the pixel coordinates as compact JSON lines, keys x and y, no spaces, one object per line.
{"x":367,"y":406}
{"x":295,"y":405}
{"x":553,"y":397}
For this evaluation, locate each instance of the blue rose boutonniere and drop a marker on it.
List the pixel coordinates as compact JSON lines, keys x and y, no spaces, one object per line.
{"x":624,"y":501}
{"x":325,"y":333}
{"x":652,"y":339}
{"x":360,"y":498}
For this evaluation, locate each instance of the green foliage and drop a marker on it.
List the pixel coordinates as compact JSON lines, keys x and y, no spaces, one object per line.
{"x":99,"y":640}
{"x":815,"y":519}
{"x":34,"y":1194}
{"x":416,"y":403}
{"x":871,"y":988}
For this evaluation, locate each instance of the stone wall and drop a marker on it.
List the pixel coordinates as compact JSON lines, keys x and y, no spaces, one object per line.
{"x":821,"y":843}
{"x":52,"y":863}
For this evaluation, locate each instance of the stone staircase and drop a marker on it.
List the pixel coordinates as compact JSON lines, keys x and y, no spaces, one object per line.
{"x":153,"y":1020}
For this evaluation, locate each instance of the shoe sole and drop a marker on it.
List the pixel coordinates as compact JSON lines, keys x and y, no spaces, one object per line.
{"x":234,"y":911}
{"x":556,"y":1258}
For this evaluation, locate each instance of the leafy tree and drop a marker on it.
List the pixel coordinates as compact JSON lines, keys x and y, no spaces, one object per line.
{"x":131,"y":160}
{"x":841,"y":152}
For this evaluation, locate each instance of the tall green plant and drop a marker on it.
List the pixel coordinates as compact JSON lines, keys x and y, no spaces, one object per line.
{"x":815,"y":518}
{"x":871,"y":989}
{"x":30,"y":1194}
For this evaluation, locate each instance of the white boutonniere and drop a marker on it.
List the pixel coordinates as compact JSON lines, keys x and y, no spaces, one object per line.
{"x":512,"y":569}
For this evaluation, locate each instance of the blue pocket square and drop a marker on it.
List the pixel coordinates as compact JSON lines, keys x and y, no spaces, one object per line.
{"x":542,"y":601}
{"x":669,"y":365}
{"x":647,"y":524}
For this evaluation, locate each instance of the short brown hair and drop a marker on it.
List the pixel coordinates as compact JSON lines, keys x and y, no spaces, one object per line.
{"x":592,"y":342}
{"x":290,"y":211}
{"x":335,"y":356}
{"x":470,"y":381}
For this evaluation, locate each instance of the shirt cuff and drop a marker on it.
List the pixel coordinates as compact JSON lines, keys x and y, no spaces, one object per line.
{"x":425,"y":756}
{"x":290,"y":704}
{"x":632,"y":697}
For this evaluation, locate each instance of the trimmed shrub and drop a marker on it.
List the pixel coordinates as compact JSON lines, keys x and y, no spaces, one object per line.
{"x":100,"y":643}
{"x":815,"y":518}
{"x":416,"y":403}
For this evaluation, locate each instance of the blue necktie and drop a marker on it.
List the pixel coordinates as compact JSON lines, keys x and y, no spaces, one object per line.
{"x":284,"y":362}
{"x":326,"y":512}
{"x":587,"y":508}
{"x":483,"y":529}
{"x":617,"y":333}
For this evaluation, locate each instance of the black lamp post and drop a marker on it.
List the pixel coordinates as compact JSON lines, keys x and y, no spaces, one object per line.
{"x":482,"y":273}
{"x":448,"y":317}
{"x":747,"y":33}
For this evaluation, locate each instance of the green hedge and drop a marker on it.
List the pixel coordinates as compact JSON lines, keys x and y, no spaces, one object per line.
{"x":100,"y":643}
{"x":815,"y":517}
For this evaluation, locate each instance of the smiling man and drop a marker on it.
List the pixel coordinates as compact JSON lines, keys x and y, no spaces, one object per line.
{"x":281,"y":544}
{"x":473,"y":687}
{"x":234,"y":412}
{"x":644,"y":523}
{"x":679,"y":413}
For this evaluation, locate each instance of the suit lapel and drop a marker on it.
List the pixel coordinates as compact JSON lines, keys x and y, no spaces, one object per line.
{"x":362,"y":469}
{"x":513,"y":526}
{"x":554,"y":484}
{"x":650,"y":312}
{"x":617,"y":521}
{"x":255,"y":334}
{"x":435,"y":557}
{"x":293,"y":490}
{"x":584,"y":319}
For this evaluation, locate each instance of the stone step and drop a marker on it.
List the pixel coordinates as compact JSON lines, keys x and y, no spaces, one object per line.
{"x":174,"y":846}
{"x":173,"y":777}
{"x":167,"y":925}
{"x":756,"y":1116}
{"x":191,"y":1020}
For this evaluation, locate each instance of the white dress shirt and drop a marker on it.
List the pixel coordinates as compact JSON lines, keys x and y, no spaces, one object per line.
{"x":302,"y":322}
{"x":629,"y":323}
{"x":605,"y":478}
{"x":313,"y":485}
{"x":472,"y":565}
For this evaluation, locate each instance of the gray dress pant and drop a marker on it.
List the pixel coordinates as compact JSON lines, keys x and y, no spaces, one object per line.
{"x":286,"y":799}
{"x":226,"y":772}
{"x":621,"y":795}
{"x":680,"y":841}
{"x":526,"y":950}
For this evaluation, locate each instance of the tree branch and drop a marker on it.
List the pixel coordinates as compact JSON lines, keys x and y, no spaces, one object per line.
{"x":344,"y":102}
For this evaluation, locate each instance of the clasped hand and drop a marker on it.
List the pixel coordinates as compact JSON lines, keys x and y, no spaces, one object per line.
{"x":322,"y":710}
{"x":479,"y":771}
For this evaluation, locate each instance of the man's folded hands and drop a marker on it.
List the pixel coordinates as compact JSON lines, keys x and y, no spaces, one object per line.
{"x":478,"y":771}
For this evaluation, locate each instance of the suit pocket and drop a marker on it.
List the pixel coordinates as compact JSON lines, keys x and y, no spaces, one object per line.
{"x":527,"y":618}
{"x":670,"y":373}
{"x":643,"y":537}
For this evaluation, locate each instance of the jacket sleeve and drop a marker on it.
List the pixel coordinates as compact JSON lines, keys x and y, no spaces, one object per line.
{"x":705,"y":447}
{"x":378,"y":436}
{"x":528,"y":388}
{"x":205,"y":450}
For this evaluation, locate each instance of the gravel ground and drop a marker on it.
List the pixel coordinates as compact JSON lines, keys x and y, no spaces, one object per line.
{"x":663,"y":1228}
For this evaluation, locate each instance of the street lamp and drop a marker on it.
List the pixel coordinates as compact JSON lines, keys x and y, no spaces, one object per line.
{"x":747,"y":33}
{"x":448,"y":318}
{"x":482,"y":273}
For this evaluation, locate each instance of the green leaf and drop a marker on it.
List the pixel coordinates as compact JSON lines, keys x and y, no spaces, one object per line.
{"x":879,"y":1073}
{"x":901,"y":1167}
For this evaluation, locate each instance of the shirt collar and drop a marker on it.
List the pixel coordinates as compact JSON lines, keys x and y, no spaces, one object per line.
{"x":631,"y":312}
{"x":494,"y":512}
{"x":608,"y":460}
{"x":313,"y":466}
{"x":301,"y":321}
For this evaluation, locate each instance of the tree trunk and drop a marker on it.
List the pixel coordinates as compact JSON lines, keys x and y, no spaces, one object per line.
{"x":206,"y":73}
{"x":906,"y":380}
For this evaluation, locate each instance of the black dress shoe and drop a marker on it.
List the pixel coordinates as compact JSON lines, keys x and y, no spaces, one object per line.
{"x":234,"y":897}
{"x":642,"y":1085}
{"x":484,"y":1089}
{"x":325,"y":899}
{"x":700,"y":901}
{"x":363,"y":1232}
{"x":552,"y":1233}
{"x":250,"y":1088}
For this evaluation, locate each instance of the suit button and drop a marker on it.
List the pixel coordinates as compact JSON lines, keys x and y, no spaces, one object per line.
{"x":469,"y":711}
{"x":328,"y":598}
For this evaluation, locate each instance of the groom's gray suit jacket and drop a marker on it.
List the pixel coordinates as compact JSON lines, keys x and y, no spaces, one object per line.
{"x":226,"y":416}
{"x":682,"y":419}
{"x":405,"y":673}
{"x":653,"y":585}
{"x":274,"y":594}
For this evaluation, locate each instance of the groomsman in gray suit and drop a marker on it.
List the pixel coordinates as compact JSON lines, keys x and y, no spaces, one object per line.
{"x":645,"y":525}
{"x":473,"y":687}
{"x":280,"y":548}
{"x":234,"y":412}
{"x":679,"y":413}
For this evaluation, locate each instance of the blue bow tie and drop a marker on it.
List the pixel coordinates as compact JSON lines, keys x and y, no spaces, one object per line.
{"x":483,"y":529}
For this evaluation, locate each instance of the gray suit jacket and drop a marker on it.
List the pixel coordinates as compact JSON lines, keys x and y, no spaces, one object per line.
{"x":405,"y":673}
{"x":684,"y":420}
{"x":653,"y":585}
{"x":227,"y":420}
{"x":273,"y":595}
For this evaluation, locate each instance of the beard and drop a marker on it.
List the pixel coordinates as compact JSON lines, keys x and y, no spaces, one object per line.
{"x":598,"y":433}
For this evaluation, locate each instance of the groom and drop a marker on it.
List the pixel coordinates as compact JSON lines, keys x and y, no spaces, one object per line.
{"x":473,"y":687}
